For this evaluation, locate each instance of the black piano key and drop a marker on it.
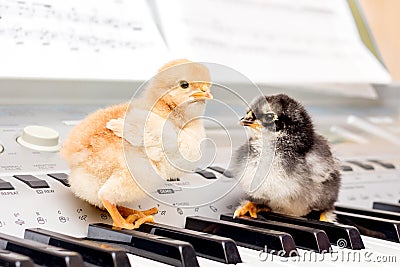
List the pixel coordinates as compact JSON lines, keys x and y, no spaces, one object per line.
{"x":61,"y":177}
{"x":32,"y":181}
{"x":41,"y":254}
{"x":387,"y":206}
{"x":247,"y":236}
{"x":91,"y":252}
{"x":334,"y":231}
{"x":209,"y":246}
{"x":386,"y":165}
{"x":12,"y":259}
{"x":363,"y":165}
{"x":304,"y":237}
{"x":369,"y":212}
{"x":206,"y":174}
{"x":372,"y":226}
{"x":158,"y":248}
{"x":221,"y":170}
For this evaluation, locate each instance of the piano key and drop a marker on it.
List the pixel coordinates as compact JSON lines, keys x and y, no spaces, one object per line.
{"x":246,"y":236}
{"x":304,"y":237}
{"x":372,"y":226}
{"x":4,"y":185}
{"x":41,"y":254}
{"x":360,"y":164}
{"x":162,"y":249}
{"x":381,"y":246}
{"x":383,"y":164}
{"x":221,"y":170}
{"x":386,"y":206}
{"x":12,"y":259}
{"x":32,"y":181}
{"x":91,"y":252}
{"x":137,"y":261}
{"x":369,"y":212}
{"x":334,"y":231}
{"x":209,"y":246}
{"x":61,"y":177}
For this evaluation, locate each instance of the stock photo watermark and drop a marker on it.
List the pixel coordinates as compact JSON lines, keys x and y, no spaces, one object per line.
{"x":341,"y":254}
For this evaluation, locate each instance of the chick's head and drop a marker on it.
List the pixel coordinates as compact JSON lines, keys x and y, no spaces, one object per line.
{"x":181,"y":82}
{"x":278,"y":113}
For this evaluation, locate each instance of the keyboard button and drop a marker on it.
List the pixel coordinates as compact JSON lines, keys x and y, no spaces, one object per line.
{"x":372,"y":226}
{"x":304,"y":237}
{"x":334,"y":231}
{"x":246,"y":236}
{"x":387,"y":206}
{"x":32,"y":181}
{"x":12,"y":259}
{"x":346,"y":168}
{"x":91,"y":252}
{"x":61,"y":177}
{"x":221,"y":170}
{"x":383,"y":164}
{"x":162,"y":249}
{"x":365,"y":166}
{"x":209,"y":246}
{"x":206,"y":174}
{"x":4,"y":185}
{"x":41,"y":254}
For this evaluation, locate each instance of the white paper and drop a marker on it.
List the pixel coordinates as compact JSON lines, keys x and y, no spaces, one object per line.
{"x":272,"y":41}
{"x":269,"y":41}
{"x":90,"y":39}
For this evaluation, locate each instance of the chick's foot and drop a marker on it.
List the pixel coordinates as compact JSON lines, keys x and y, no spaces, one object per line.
{"x":136,"y":217}
{"x":125,"y":212}
{"x":251,"y":208}
{"x":118,"y":220}
{"x":327,"y":216}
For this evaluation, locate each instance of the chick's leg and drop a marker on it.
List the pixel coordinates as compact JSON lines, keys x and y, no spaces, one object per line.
{"x":118,"y":220}
{"x":250,"y":207}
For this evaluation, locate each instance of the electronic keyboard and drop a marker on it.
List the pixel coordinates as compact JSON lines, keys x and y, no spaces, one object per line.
{"x":43,"y":224}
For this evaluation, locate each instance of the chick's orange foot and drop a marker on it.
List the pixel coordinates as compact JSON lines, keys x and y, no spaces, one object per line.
{"x":251,"y":208}
{"x":134,"y":218}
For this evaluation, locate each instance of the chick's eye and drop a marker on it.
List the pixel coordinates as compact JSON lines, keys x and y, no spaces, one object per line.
{"x":184,"y":84}
{"x":270,"y":116}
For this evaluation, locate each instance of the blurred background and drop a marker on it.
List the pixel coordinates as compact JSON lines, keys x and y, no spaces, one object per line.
{"x":340,"y":58}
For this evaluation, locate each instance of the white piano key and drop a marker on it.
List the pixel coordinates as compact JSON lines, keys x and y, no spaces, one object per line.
{"x":137,"y":261}
{"x":382,"y":246}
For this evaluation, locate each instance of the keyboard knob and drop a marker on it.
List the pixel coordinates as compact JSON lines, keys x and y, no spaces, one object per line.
{"x":39,"y":138}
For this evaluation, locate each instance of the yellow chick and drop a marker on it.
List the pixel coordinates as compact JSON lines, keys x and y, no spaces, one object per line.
{"x":160,"y":126}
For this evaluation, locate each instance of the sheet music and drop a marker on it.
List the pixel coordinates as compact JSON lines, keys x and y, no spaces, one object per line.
{"x":269,"y":41}
{"x":273,"y":41}
{"x":90,"y":39}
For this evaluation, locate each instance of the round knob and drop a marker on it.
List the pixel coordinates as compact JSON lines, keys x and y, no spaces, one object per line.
{"x":1,"y":148}
{"x":40,"y":138}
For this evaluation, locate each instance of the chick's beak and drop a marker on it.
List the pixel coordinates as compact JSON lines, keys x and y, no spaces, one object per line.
{"x":250,"y":121}
{"x":203,"y":93}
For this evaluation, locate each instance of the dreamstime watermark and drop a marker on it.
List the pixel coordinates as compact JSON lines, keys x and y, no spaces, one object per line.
{"x":338,"y":254}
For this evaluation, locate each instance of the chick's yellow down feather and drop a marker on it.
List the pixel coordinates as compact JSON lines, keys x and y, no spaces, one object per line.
{"x":151,"y":126}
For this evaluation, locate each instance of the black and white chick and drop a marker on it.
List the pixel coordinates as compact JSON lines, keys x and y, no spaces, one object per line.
{"x":285,"y":167}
